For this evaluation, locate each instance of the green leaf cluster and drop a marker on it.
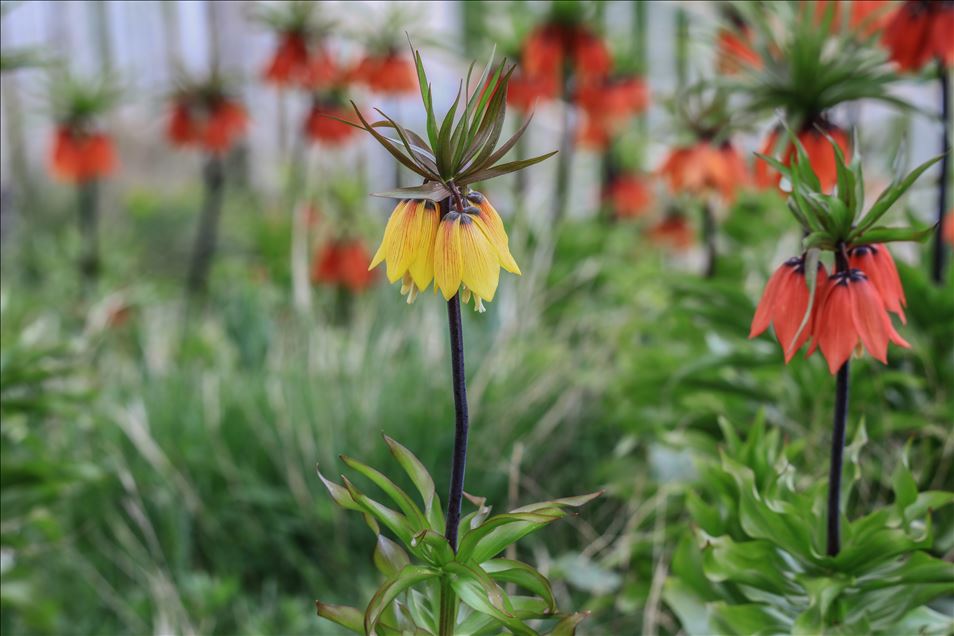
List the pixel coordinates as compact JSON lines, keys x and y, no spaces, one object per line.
{"x":756,"y":562}
{"x":442,"y":591}
{"x":807,"y":65}
{"x":838,"y":219}
{"x":460,"y":149}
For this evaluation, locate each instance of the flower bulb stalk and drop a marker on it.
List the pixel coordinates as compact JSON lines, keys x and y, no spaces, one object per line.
{"x":214,"y":180}
{"x":88,"y":203}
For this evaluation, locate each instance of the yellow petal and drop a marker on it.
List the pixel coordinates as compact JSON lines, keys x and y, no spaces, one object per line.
{"x":493,"y":227}
{"x":481,"y":267}
{"x":404,"y":245}
{"x":388,"y":235}
{"x":422,"y":269}
{"x":447,"y":256}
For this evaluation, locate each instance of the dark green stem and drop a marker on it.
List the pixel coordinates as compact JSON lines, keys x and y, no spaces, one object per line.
{"x":204,"y":249}
{"x":709,"y":235}
{"x":460,"y":420}
{"x":88,"y":203}
{"x":837,"y":442}
{"x":940,"y":250}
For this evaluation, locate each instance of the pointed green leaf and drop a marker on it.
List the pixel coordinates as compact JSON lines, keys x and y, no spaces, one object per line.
{"x":339,"y":494}
{"x":421,"y":479}
{"x":392,"y":519}
{"x":430,"y":191}
{"x":521,"y":574}
{"x":499,"y":531}
{"x":389,"y":557}
{"x":502,"y":169}
{"x":890,"y":196}
{"x":472,"y":594}
{"x":894,"y":235}
{"x":567,"y":626}
{"x":407,"y":577}
{"x":347,"y":617}
{"x":398,"y":496}
{"x":574,"y":502}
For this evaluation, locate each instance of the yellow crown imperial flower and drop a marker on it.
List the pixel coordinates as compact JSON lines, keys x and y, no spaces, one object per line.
{"x":463,"y":251}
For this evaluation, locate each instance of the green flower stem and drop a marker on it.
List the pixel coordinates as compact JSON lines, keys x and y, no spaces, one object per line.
{"x":460,"y":419}
{"x":448,"y":616}
{"x":837,"y":442}
{"x":937,"y":266}
{"x":88,"y":204}
{"x":214,"y":179}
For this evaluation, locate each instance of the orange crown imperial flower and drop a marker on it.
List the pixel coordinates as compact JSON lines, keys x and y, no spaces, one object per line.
{"x":848,"y":309}
{"x":920,"y":31}
{"x":784,"y":304}
{"x":80,"y":156}
{"x":852,"y":314}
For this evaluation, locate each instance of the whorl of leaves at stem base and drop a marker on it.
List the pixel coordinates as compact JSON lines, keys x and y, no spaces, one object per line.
{"x":426,"y":571}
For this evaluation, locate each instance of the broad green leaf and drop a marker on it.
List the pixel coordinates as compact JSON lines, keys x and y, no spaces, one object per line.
{"x":430,"y":191}
{"x":435,"y":544}
{"x":567,"y":625}
{"x":754,"y":563}
{"x":347,"y":617}
{"x":389,"y":557}
{"x":521,"y":574}
{"x":339,"y":494}
{"x":398,"y":496}
{"x":889,"y":197}
{"x":495,"y":594}
{"x":421,"y":479}
{"x":893,"y":235}
{"x":574,"y":502}
{"x":472,"y":594}
{"x":502,"y":169}
{"x":499,"y":531}
{"x":392,"y":519}
{"x":747,"y":620}
{"x":407,"y":577}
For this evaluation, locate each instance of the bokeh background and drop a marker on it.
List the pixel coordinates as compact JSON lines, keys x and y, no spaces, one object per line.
{"x":159,"y":448}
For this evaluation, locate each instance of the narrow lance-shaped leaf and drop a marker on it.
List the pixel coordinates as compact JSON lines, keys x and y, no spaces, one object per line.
{"x":493,"y":592}
{"x":890,"y":196}
{"x":521,"y":574}
{"x":392,"y":519}
{"x":472,"y":595}
{"x":431,"y":191}
{"x":348,"y":617}
{"x":505,"y":168}
{"x":406,"y":161}
{"x":894,"y":235}
{"x":389,"y":557}
{"x":409,"y":576}
{"x":421,"y":479}
{"x":443,"y":148}
{"x":401,"y":498}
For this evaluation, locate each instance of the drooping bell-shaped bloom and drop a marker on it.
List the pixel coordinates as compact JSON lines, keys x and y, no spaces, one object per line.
{"x":408,"y":245}
{"x":878,"y":265}
{"x":79,"y":156}
{"x":630,"y":196}
{"x":920,"y":31}
{"x":344,"y":263}
{"x":551,"y":46}
{"x":819,"y":151}
{"x":703,"y":169}
{"x":867,"y":17}
{"x":322,"y":124}
{"x":851,"y":315}
{"x":492,"y":225}
{"x":524,"y":90}
{"x":464,"y":256}
{"x":785,"y":303}
{"x":213,"y":125}
{"x":290,"y":61}
{"x":607,"y":105}
{"x":389,"y":74}
{"x":674,"y":231}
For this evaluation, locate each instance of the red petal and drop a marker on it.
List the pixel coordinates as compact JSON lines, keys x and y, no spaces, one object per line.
{"x":870,"y":318}
{"x":835,"y":331}
{"x":766,"y":306}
